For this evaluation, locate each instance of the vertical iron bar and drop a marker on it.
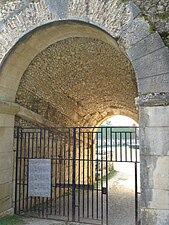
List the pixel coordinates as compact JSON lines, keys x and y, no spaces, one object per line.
{"x":36,"y":156}
{"x":16,"y":172}
{"x":33,"y":155}
{"x":20,"y":171}
{"x":68,"y":170}
{"x":136,"y":150}
{"x":28,"y":199}
{"x":83,"y":172}
{"x":79,"y":178}
{"x":88,"y":168}
{"x":60,"y":171}
{"x":97,"y":168}
{"x":47,"y":156}
{"x":23,"y":200}
{"x":106,"y":182}
{"x":74,"y":174}
{"x":32,"y":145}
{"x":64,"y":169}
{"x":131,"y":147}
{"x":102,"y":174}
{"x":133,"y":143}
{"x":52,"y":173}
{"x":56,"y":171}
{"x":44,"y":156}
{"x":115,"y":136}
{"x":92,"y":172}
{"x":111,"y":147}
{"x":125,"y":146}
{"x":40,"y":156}
{"x":136,"y":196}
{"x":121,"y":155}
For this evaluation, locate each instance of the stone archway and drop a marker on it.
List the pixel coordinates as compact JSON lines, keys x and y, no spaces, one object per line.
{"x":149,"y":58}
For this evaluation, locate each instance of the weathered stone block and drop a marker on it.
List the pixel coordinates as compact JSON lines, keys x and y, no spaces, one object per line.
{"x":156,"y":199}
{"x":154,"y":173}
{"x":59,"y":8}
{"x":6,"y":175}
{"x":6,"y":139}
{"x":152,"y":64}
{"x":149,"y":44}
{"x":154,"y":141}
{"x":7,"y":94}
{"x":134,"y":10}
{"x":5,"y":203}
{"x":159,"y":83}
{"x":6,"y":120}
{"x":5,"y":190}
{"x":154,"y":116}
{"x":137,"y":30}
{"x":154,"y":217}
{"x":11,"y":78}
{"x":6,"y":160}
{"x":147,"y":167}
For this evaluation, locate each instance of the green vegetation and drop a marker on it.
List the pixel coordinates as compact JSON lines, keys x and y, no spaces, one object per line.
{"x":11,"y":220}
{"x":151,"y":24}
{"x":163,"y":15}
{"x":123,"y":1}
{"x":165,"y":37}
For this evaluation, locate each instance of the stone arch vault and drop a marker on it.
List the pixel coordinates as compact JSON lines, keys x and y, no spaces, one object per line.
{"x":29,"y":27}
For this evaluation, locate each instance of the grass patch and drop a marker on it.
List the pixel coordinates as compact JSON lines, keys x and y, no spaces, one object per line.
{"x":163,"y":15}
{"x":11,"y":220}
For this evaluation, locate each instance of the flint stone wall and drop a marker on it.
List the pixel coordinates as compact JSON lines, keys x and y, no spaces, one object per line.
{"x":19,"y":17}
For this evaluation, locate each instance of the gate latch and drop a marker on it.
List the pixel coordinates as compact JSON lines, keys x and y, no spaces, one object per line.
{"x":104,"y":190}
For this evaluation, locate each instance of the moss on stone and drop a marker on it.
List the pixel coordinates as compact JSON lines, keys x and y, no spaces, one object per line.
{"x":163,"y":15}
{"x":151,"y":24}
{"x":123,"y":1}
{"x":165,"y":37}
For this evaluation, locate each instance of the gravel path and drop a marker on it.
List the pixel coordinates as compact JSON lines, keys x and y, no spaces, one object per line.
{"x":121,"y":201}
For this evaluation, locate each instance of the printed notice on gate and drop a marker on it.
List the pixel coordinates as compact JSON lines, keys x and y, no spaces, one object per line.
{"x":39,"y":178}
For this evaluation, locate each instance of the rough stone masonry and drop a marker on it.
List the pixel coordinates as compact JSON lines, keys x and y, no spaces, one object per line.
{"x":123,"y":55}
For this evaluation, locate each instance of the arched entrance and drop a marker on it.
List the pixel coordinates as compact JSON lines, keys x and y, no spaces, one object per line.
{"x":77,"y":81}
{"x":149,"y":58}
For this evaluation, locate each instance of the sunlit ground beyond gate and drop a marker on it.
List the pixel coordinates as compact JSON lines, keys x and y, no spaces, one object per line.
{"x":122,"y":195}
{"x":78,"y":174}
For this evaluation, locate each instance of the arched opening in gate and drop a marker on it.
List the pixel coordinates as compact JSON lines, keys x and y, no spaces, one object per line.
{"x":77,"y":79}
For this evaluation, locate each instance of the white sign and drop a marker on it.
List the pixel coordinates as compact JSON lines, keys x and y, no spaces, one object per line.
{"x":39,"y":179}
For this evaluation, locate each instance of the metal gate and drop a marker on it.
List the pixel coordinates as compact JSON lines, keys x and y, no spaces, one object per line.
{"x":63,"y":173}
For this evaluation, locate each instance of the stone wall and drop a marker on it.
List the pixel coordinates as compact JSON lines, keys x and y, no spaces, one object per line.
{"x":157,"y":13}
{"x":18,"y":17}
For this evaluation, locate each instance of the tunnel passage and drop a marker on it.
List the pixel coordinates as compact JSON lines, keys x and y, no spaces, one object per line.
{"x":78,"y":81}
{"x":75,"y":82}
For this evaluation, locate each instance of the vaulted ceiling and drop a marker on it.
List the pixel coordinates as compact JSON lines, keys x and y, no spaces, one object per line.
{"x":79,"y":81}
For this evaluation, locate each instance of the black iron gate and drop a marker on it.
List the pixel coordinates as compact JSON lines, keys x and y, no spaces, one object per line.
{"x":63,"y":173}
